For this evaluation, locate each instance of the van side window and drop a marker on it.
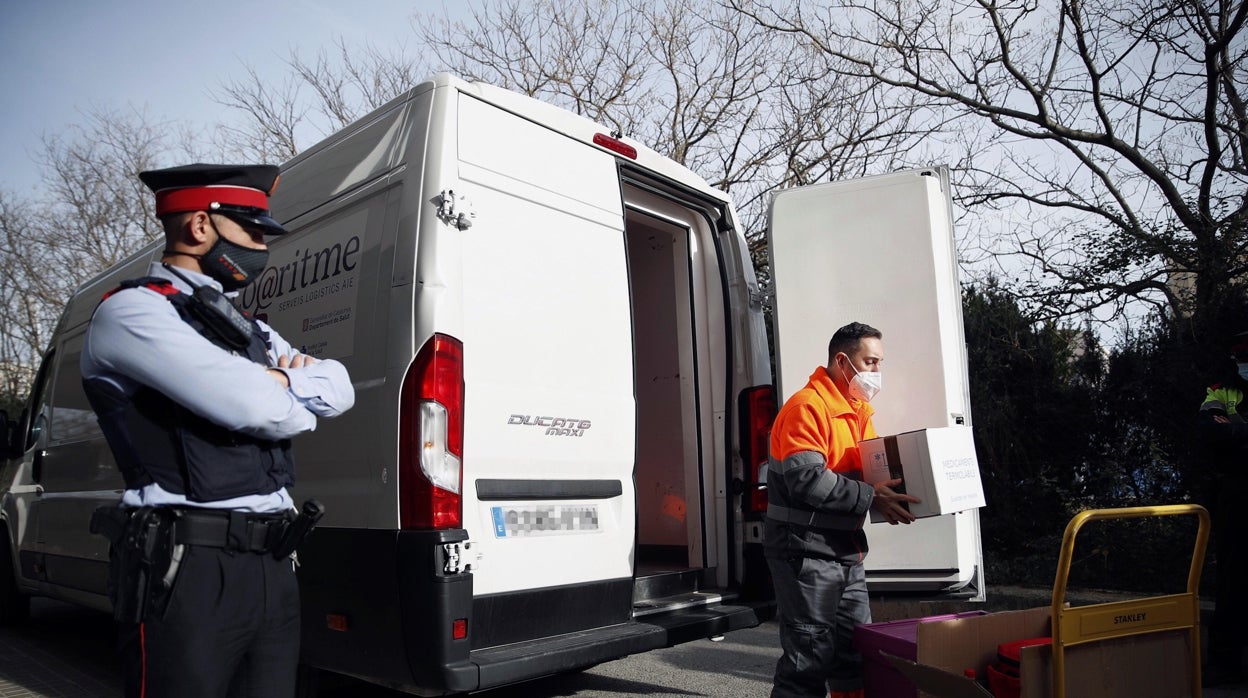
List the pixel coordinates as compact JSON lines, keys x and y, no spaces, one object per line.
{"x":35,"y":416}
{"x":75,"y":456}
{"x":72,"y":418}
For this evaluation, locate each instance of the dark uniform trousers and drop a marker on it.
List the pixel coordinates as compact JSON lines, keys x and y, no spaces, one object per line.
{"x":1230,"y":618}
{"x":231,"y":629}
{"x":819,"y":602}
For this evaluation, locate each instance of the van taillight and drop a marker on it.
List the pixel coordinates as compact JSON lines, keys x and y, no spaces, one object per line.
{"x":431,"y":437}
{"x":758,"y":411}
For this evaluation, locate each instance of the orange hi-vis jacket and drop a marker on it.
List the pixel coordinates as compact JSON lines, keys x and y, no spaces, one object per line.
{"x":816,"y":500}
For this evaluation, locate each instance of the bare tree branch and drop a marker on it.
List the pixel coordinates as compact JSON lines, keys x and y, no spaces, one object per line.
{"x":1125,"y":121}
{"x":93,"y":213}
{"x":747,"y":108}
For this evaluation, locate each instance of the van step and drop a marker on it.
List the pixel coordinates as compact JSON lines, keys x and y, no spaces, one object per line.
{"x":696,"y":623}
{"x":526,"y":660}
{"x":663,"y":584}
{"x":521,"y":661}
{"x":675,"y":602}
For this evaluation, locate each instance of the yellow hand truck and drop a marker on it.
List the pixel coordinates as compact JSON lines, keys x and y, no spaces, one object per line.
{"x":1093,"y":623}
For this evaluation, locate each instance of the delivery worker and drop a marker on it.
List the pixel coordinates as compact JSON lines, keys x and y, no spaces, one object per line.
{"x":198,"y":402}
{"x":1224,"y":433}
{"x":816,"y":506}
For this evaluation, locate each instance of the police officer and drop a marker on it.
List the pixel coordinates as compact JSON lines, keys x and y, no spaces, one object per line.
{"x":1224,"y":433}
{"x":198,"y":402}
{"x":816,"y":506}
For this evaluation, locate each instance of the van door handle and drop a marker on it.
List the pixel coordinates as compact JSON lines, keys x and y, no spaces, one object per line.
{"x":36,"y":465}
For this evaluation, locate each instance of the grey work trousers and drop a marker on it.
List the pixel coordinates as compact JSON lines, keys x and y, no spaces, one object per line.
{"x":819,"y":602}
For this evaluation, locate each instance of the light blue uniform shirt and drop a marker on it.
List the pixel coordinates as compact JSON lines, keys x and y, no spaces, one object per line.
{"x":137,"y":339}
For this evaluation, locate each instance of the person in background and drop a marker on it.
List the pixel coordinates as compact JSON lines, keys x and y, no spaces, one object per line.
{"x":1224,"y":435}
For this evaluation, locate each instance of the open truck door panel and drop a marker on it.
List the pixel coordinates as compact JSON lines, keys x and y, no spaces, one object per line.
{"x":880,"y":250}
{"x":562,"y":381}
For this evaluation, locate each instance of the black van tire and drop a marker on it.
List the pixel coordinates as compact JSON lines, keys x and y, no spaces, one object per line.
{"x":14,"y":605}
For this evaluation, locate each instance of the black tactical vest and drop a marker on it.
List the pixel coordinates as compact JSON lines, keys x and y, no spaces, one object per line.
{"x":154,"y":439}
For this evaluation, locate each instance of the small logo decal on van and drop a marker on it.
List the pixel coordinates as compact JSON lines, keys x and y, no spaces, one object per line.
{"x":554,"y":426}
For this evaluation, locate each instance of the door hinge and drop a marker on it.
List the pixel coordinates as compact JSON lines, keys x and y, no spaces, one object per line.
{"x":458,"y":558}
{"x":759,"y":298}
{"x":454,"y":209}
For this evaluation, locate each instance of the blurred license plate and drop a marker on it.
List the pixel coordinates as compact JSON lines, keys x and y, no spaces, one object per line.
{"x":544,"y":520}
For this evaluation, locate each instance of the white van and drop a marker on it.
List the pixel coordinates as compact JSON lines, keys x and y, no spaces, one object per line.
{"x":563,"y":398}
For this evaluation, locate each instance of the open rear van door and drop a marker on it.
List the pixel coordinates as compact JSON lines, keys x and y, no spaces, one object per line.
{"x":549,"y":436}
{"x":880,"y":250}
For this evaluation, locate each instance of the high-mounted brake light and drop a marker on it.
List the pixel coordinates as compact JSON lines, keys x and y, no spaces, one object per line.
{"x":431,"y":437}
{"x":758,"y":411}
{"x":615,"y":145}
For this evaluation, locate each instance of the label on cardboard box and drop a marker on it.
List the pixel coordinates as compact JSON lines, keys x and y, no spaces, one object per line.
{"x":936,"y":465}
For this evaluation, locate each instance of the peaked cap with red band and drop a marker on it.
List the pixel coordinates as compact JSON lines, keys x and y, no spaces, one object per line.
{"x":238,"y":192}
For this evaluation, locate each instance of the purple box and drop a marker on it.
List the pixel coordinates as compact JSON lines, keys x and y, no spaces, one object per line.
{"x":900,"y":639}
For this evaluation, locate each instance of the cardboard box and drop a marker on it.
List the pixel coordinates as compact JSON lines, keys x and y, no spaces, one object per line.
{"x":1157,"y":664}
{"x":898,"y":638}
{"x":936,"y":465}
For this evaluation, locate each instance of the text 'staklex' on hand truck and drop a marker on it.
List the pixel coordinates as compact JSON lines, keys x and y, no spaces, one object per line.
{"x":1084,"y":624}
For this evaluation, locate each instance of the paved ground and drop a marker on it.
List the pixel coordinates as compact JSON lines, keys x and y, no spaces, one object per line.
{"x":62,"y":652}
{"x":66,"y":652}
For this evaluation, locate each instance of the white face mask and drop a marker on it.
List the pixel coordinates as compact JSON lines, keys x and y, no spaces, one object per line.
{"x":1243,"y":371}
{"x":865,"y":385}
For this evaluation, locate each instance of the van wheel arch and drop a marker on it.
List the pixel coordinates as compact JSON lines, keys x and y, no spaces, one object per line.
{"x":14,"y":605}
{"x":307,"y":681}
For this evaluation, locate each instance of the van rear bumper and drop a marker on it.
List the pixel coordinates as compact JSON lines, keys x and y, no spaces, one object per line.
{"x":533,"y":659}
{"x":357,"y":577}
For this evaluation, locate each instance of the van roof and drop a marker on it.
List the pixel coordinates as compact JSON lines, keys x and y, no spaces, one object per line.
{"x":548,"y":115}
{"x":583,"y":129}
{"x":551,"y":116}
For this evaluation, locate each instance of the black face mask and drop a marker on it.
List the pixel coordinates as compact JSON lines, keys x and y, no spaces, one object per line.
{"x":234,"y":266}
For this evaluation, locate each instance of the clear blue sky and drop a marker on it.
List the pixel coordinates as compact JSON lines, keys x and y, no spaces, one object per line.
{"x":62,"y":57}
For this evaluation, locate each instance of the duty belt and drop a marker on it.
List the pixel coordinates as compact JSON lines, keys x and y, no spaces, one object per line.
{"x":233,"y":530}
